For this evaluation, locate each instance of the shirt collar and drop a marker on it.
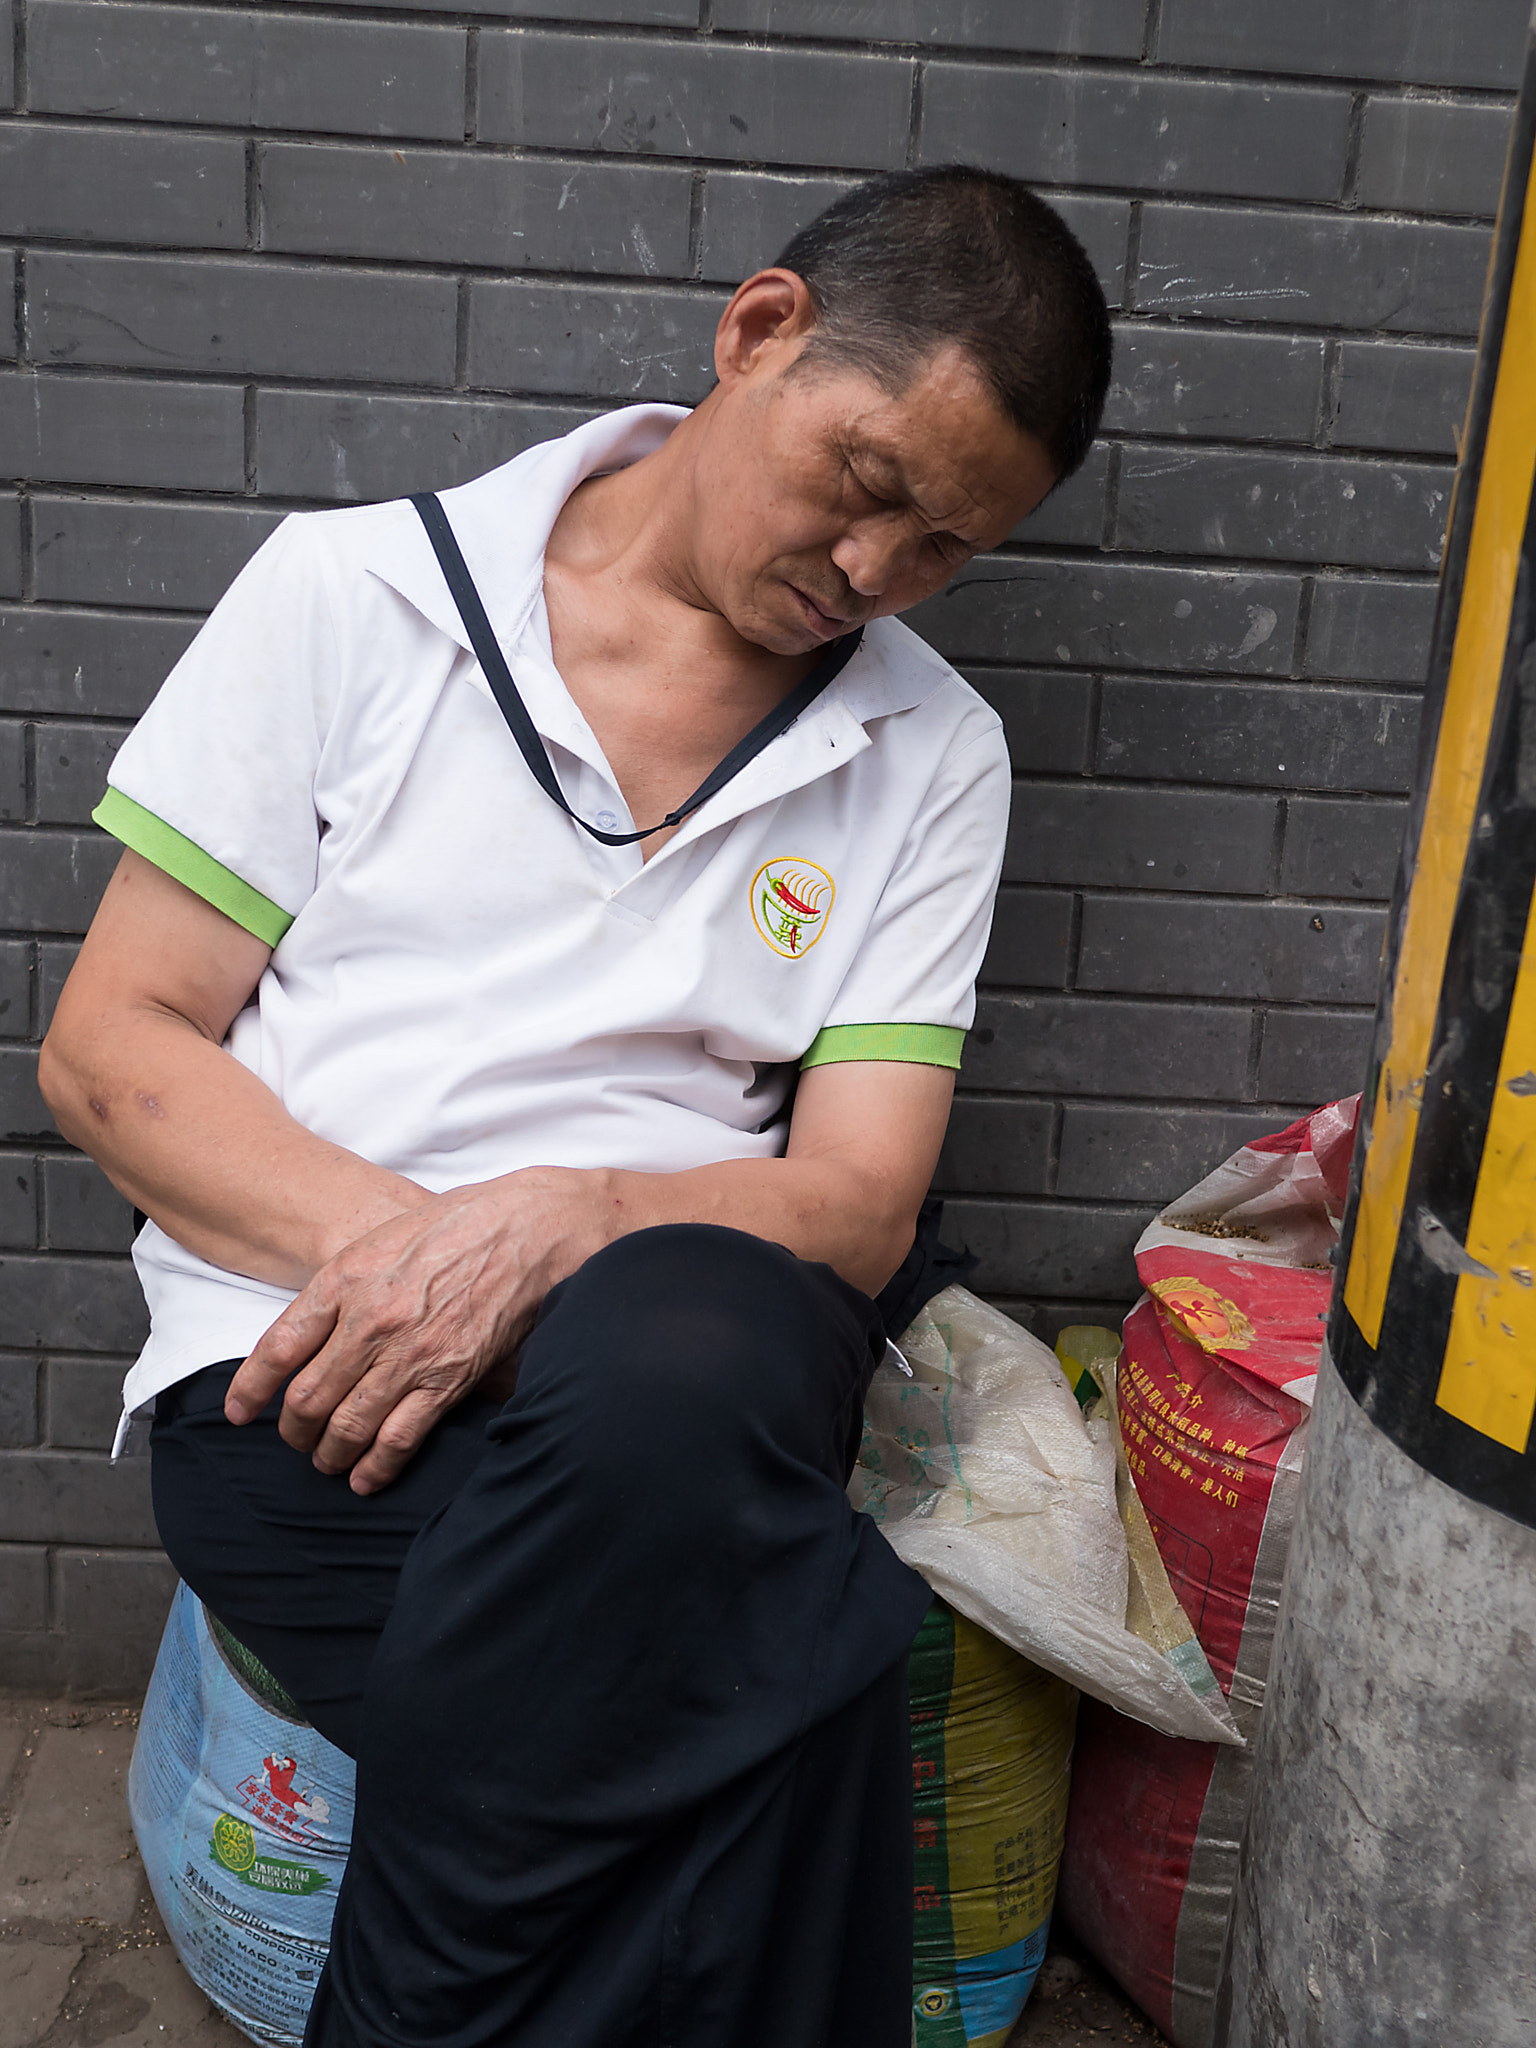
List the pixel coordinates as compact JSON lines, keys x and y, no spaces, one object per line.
{"x":502,"y":520}
{"x":892,"y":671}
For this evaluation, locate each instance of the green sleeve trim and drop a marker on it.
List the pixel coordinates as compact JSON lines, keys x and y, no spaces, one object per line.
{"x":187,"y":863}
{"x":920,"y":1045}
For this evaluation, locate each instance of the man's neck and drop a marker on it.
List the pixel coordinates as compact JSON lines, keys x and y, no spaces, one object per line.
{"x":631,"y":526}
{"x":622,"y":557}
{"x":665,"y":682}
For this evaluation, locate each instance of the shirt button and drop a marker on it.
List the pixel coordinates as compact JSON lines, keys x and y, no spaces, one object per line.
{"x":606,"y":821}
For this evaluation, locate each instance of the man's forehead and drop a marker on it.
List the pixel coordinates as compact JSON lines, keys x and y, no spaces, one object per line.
{"x":947,"y":381}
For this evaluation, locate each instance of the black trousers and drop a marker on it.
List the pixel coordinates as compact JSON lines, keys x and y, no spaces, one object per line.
{"x":624,"y":1675}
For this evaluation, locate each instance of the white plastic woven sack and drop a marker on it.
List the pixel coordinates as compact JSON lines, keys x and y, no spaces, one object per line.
{"x":986,"y":1476}
{"x":243,"y":1815}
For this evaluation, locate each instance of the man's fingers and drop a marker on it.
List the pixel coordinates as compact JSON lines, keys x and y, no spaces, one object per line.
{"x":298,"y":1335}
{"x":399,"y":1437}
{"x":383,"y":1340}
{"x":353,"y":1421}
{"x":325,"y":1384}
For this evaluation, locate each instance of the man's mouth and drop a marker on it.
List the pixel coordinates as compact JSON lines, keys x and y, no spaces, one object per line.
{"x":824,"y":621}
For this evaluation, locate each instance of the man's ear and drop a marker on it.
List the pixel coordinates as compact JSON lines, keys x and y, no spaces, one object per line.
{"x":768,"y":317}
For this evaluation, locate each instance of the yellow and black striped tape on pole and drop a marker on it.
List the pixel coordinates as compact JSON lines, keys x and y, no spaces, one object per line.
{"x":1434,"y":1328}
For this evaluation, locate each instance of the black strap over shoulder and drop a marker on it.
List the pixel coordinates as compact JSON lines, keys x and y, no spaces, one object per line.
{"x":488,"y":652}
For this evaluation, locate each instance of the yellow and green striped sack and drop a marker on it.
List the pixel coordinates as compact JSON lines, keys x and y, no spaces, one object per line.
{"x":991,"y":1767}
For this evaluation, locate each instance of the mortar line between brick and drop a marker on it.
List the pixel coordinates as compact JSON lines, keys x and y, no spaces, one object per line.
{"x":1277,"y":849}
{"x":915,"y":113}
{"x":1329,"y":389}
{"x":88,"y":1258}
{"x":1152,"y":31}
{"x":1074,"y":943}
{"x":253,"y":220}
{"x":70,"y":719}
{"x":41,"y":1225}
{"x":61,"y":1355}
{"x":355,"y":266}
{"x":461,"y":336}
{"x":1053,"y":1147}
{"x":1349,"y":184}
{"x":1215,"y":904}
{"x":1255,"y":1054}
{"x":25,"y":543}
{"x":1208,"y":900}
{"x":696,"y":226}
{"x":1095,"y":725}
{"x":1154,"y":785}
{"x":1186,"y":1105}
{"x":19,"y":56}
{"x":1132,"y":256}
{"x":1082,"y":1204}
{"x":1303,"y":627}
{"x":1111,"y":517}
{"x":248,"y":427}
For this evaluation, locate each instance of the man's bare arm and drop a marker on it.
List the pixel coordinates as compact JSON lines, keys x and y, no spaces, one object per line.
{"x":409,"y":1299}
{"x":135,"y":1074}
{"x":402,"y":1324}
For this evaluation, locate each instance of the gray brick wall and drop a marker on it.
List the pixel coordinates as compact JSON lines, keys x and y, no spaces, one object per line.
{"x":254,"y":258}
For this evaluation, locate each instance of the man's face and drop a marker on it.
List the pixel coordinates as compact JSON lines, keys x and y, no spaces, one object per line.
{"x":824,"y":501}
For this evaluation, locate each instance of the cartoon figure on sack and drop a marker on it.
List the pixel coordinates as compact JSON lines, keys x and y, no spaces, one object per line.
{"x":295,"y":1814}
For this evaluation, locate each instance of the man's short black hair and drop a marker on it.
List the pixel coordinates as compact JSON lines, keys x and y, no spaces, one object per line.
{"x":910,"y":261}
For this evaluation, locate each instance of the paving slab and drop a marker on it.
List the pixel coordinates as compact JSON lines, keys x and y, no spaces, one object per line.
{"x":139,"y":1998}
{"x":68,"y":1854}
{"x":34,"y":1979}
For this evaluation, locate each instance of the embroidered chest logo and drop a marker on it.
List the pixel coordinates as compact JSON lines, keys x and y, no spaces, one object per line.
{"x":791,"y":901}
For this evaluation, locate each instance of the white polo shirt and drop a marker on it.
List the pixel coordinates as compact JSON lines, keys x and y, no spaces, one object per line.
{"x":463,"y":982}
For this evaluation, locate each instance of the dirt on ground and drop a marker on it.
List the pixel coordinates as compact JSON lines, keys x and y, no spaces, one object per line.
{"x":1075,"y":2004}
{"x":85,"y":1961}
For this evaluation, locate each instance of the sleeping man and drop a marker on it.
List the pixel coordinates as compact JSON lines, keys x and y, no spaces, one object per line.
{"x":527,"y":1012}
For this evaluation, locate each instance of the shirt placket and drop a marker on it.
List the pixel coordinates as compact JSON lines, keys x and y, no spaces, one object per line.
{"x":827,"y":737}
{"x":590,"y":786}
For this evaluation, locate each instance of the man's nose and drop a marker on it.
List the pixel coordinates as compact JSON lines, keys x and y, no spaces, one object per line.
{"x":872,"y":556}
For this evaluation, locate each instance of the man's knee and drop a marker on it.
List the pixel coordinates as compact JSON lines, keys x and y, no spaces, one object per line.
{"x":680,"y":1269}
{"x":685,"y":1335}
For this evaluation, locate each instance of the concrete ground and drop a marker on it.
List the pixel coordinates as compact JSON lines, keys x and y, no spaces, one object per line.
{"x":86,"y":1963}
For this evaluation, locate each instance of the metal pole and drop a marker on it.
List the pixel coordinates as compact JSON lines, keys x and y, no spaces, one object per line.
{"x":1387,"y":1884}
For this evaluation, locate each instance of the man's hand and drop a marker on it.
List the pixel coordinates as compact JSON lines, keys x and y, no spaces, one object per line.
{"x":401,"y":1325}
{"x":407,"y":1320}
